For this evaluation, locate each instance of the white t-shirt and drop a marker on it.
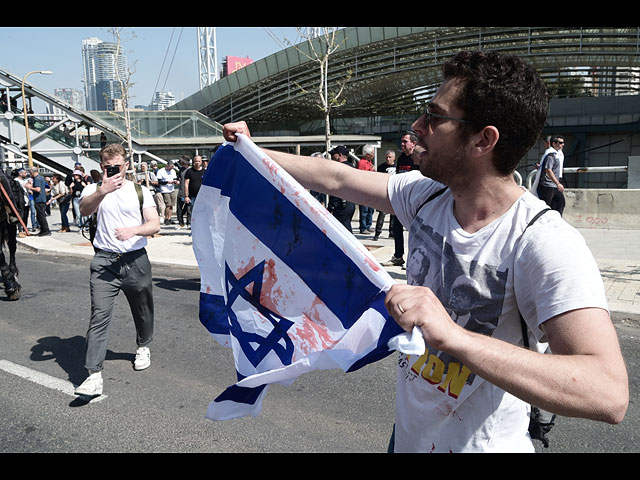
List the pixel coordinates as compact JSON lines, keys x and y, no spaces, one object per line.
{"x":120,"y":208}
{"x":560,"y":157}
{"x":440,"y":405}
{"x":536,"y":180}
{"x":169,"y":176}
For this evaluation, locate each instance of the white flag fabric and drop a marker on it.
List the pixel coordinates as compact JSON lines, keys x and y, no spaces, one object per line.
{"x":282,"y":282}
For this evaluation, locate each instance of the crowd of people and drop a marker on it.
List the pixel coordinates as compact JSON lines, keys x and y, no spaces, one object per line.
{"x":174,"y":188}
{"x":344,"y":210}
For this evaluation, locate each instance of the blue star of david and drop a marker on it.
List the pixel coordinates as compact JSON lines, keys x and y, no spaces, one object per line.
{"x":236,"y":287}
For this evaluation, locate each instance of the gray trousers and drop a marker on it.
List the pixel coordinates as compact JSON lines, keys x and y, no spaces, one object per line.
{"x":110,"y":273}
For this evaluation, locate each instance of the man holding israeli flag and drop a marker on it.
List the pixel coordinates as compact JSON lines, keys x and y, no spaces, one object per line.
{"x":472,"y":272}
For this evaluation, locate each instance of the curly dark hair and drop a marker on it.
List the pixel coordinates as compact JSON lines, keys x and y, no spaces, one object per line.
{"x":505,"y":92}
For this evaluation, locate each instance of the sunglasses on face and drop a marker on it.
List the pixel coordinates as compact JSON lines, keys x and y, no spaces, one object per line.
{"x":429,"y":116}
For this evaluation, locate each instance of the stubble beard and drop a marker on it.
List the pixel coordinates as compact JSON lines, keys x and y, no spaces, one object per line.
{"x":447,"y":169}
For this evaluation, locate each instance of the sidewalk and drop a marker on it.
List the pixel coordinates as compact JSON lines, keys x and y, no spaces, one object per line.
{"x":617,"y":253}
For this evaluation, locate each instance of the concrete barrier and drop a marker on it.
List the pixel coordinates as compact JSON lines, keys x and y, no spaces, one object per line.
{"x":602,"y":208}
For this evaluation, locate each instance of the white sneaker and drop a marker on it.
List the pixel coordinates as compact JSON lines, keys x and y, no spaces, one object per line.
{"x":143,"y":358}
{"x":91,"y":387}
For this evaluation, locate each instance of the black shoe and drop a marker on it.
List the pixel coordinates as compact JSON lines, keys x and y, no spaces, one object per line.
{"x":44,"y":234}
{"x":394,"y":262}
{"x":375,"y":237}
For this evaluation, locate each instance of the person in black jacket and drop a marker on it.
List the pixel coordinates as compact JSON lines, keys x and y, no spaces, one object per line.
{"x":343,"y":210}
{"x":404,"y":164}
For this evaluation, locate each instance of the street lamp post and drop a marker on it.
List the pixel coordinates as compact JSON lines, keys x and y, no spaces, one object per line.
{"x":24,"y":108}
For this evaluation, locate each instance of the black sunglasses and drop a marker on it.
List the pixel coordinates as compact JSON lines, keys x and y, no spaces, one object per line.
{"x":428,"y":116}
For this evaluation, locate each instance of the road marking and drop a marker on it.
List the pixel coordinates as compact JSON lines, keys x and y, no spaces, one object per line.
{"x":43,"y":379}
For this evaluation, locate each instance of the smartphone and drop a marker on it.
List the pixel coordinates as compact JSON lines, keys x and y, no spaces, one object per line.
{"x":113,"y":170}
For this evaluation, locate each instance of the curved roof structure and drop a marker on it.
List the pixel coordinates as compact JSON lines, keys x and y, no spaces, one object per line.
{"x":391,"y":69}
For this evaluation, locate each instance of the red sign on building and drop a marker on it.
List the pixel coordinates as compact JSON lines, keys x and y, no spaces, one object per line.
{"x":231,"y":64}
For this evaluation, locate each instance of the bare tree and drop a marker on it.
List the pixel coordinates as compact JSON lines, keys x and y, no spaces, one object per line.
{"x":323,"y":43}
{"x":124,"y":79}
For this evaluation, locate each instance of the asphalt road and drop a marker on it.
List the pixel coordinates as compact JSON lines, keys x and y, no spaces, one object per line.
{"x":162,"y":408}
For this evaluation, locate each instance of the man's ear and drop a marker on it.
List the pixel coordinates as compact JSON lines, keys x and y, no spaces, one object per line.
{"x":484,"y":141}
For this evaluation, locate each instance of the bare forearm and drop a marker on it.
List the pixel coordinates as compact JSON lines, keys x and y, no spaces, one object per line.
{"x":313,"y":173}
{"x":149,"y":227}
{"x":552,"y":176}
{"x":90,"y":203}
{"x":334,"y":178}
{"x":326,"y":176}
{"x":568,"y":385}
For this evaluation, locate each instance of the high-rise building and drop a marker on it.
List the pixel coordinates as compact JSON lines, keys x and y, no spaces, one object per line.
{"x":101,"y":63}
{"x":162,"y":100}
{"x":72,"y":96}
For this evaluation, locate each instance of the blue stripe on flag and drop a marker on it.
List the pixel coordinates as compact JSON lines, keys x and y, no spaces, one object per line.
{"x":246,"y":395}
{"x":213,"y":313}
{"x":389,"y":330}
{"x":297,"y":241}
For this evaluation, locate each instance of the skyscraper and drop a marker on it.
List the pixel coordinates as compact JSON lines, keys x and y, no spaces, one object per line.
{"x":99,"y":70}
{"x":162,"y":100}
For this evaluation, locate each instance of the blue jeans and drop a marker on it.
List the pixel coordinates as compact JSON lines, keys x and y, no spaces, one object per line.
{"x":80,"y":220}
{"x":64,"y":208}
{"x":34,"y":219}
{"x":366,"y":218}
{"x":192,"y":200}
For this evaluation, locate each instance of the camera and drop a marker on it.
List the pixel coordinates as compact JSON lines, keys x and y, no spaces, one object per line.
{"x":113,"y":170}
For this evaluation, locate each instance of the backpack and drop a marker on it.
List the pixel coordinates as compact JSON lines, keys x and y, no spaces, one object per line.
{"x":93,"y":225}
{"x":540,"y":421}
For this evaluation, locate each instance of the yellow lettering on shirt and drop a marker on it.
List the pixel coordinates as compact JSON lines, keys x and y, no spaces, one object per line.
{"x":432,"y":369}
{"x":456,"y":378}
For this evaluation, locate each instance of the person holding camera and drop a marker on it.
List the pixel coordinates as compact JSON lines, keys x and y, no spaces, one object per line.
{"x":124,"y":220}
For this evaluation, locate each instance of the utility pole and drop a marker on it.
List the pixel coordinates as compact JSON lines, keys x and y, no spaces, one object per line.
{"x":207,"y":55}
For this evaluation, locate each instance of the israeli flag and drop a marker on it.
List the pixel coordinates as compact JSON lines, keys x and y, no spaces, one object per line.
{"x":282,"y":282}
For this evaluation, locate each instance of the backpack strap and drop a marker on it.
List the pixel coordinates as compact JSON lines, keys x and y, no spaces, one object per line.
{"x":431,"y":197}
{"x":140,"y":199}
{"x":525,"y":333}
